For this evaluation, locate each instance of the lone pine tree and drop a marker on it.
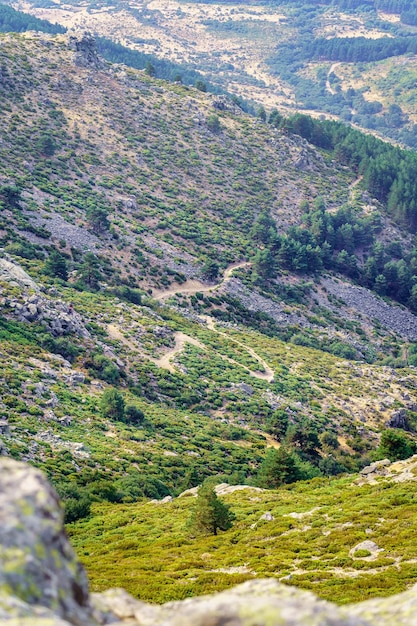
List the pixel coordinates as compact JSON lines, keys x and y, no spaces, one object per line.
{"x":210,"y":514}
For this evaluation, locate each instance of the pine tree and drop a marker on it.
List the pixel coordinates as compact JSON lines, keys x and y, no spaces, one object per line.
{"x":210,"y":515}
{"x":150,"y":69}
{"x":279,"y":467}
{"x":97,"y":218}
{"x":90,"y":271}
{"x":112,"y":404}
{"x":56,"y":265}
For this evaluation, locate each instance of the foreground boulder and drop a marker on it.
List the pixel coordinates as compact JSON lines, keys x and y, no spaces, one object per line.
{"x":43,"y":584}
{"x":38,"y":567}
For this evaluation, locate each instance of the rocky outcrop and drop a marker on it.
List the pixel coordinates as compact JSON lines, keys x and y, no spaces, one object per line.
{"x":398,"y":471}
{"x":398,"y":419}
{"x":223,"y":103}
{"x":30,"y":305}
{"x":58,"y":317}
{"x":15,"y":275}
{"x":86,"y":55}
{"x":222,"y":489}
{"x":43,"y":584}
{"x":262,"y":603}
{"x":38,"y":567}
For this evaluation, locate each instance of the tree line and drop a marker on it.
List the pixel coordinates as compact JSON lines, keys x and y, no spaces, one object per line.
{"x":389,"y":173}
{"x":357,"y":49}
{"x":18,"y":22}
{"x":337,"y":240}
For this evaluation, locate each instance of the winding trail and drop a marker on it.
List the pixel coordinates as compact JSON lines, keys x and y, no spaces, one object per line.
{"x":180,"y":340}
{"x":329,"y":88}
{"x":191,"y":287}
{"x":268,"y":374}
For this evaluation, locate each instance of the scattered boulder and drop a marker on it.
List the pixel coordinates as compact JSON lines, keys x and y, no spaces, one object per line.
{"x":189,"y":492}
{"x":4,"y":427}
{"x":162,"y":501}
{"x":359,"y":551}
{"x":224,"y":488}
{"x":398,"y":419}
{"x":221,"y":490}
{"x":74,"y":378}
{"x":378,"y":468}
{"x":162,"y":331}
{"x":246,"y":389}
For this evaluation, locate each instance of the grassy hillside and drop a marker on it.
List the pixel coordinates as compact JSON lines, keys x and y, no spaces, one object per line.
{"x":117,"y":187}
{"x":154,"y":334}
{"x":310,"y":539}
{"x":351,"y":61}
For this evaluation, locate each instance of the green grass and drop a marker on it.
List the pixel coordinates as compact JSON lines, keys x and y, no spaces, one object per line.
{"x":157,"y":560}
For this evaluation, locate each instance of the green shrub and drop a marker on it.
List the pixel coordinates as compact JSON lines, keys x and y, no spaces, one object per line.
{"x":134,"y":415}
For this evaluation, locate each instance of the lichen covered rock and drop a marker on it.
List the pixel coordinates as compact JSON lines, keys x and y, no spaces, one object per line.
{"x":37,"y":563}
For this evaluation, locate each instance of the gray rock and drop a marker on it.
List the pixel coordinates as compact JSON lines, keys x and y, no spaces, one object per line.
{"x":224,"y":103}
{"x":398,"y":419}
{"x":12,"y":272}
{"x":368,"y":545}
{"x":244,"y":388}
{"x":258,"y":602}
{"x":65,"y":421}
{"x":74,"y":378}
{"x":361,"y":300}
{"x":84,"y":45}
{"x":37,"y":562}
{"x":378,"y":467}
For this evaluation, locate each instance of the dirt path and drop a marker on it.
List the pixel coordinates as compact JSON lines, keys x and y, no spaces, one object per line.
{"x":115,"y":333}
{"x":329,"y":88}
{"x":268,"y":374}
{"x":353,"y":186}
{"x":181,"y":339}
{"x":165,"y":361}
{"x":270,"y":441}
{"x":193,"y":286}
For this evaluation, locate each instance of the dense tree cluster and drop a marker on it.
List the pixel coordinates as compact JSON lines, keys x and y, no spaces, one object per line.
{"x":17,"y":22}
{"x":332,"y":241}
{"x":356,"y":49}
{"x":389,"y":173}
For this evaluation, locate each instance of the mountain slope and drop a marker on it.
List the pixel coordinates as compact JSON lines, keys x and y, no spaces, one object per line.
{"x":153,"y":333}
{"x":144,"y":346}
{"x":350,"y":61}
{"x":346,"y":540}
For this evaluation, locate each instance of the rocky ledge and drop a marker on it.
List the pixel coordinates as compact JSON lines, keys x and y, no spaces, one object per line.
{"x":43,"y":584}
{"x":30,"y":305}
